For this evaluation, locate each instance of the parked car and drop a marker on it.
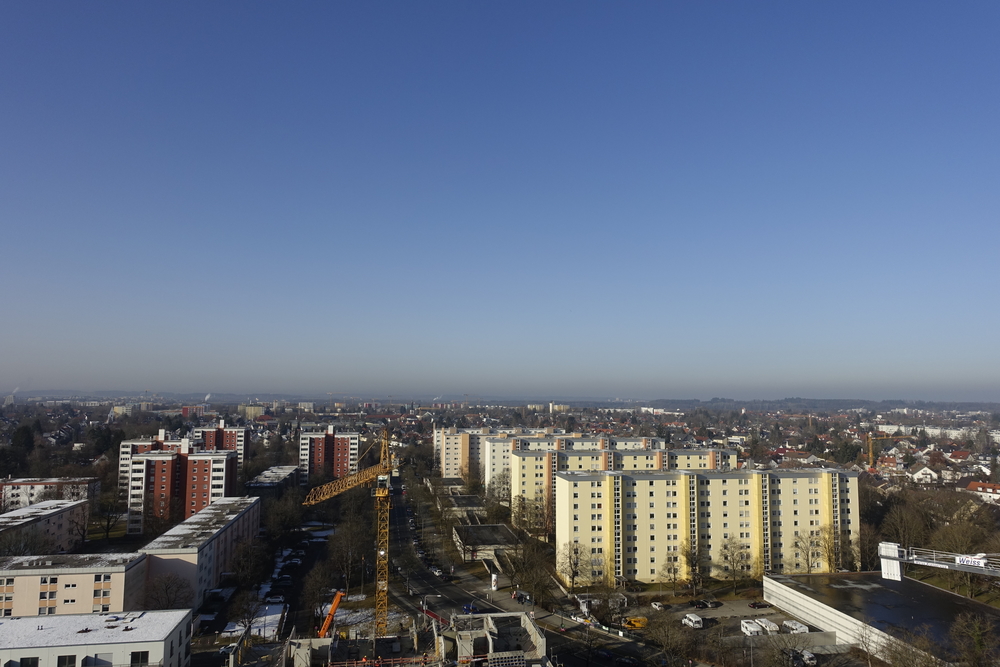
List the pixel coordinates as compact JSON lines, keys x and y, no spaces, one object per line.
{"x":227,"y":649}
{"x":699,"y":604}
{"x":712,"y":604}
{"x":603,"y":654}
{"x":275,"y":599}
{"x":436,"y":571}
{"x":658,"y":606}
{"x":758,"y":605}
{"x":470,"y":609}
{"x":808,"y":658}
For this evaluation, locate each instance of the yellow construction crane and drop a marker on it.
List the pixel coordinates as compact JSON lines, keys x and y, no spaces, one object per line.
{"x":379,"y":474}
{"x":871,"y":446}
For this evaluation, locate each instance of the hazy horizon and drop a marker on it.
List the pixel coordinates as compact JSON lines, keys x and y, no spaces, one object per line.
{"x":558,"y":199}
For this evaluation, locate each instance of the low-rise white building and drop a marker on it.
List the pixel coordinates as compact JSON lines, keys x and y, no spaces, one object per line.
{"x":200,"y":549}
{"x":25,"y":491}
{"x":137,"y":639}
{"x":50,"y":526}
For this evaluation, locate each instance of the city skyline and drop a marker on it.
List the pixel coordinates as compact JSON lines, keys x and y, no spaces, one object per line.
{"x":565,"y":200}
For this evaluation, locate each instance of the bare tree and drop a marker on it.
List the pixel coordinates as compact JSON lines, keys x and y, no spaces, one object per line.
{"x":914,"y":649}
{"x":806,"y":552}
{"x":868,"y":641}
{"x":670,"y":571}
{"x":249,"y":563}
{"x":671,"y":636}
{"x":569,"y":563}
{"x":974,"y":641}
{"x":829,"y":547}
{"x":24,"y":543}
{"x":694,"y":558}
{"x":110,"y":511}
{"x":865,"y":547}
{"x":246,"y":608}
{"x":906,"y":525}
{"x":737,"y":560}
{"x":169,"y":591}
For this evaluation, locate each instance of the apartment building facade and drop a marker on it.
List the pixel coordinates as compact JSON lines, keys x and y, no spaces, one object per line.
{"x":328,"y":452}
{"x":50,"y":526}
{"x":219,"y":436}
{"x":25,"y":491}
{"x":176,"y":483}
{"x":532,"y":471}
{"x":657,"y":525}
{"x":201,"y":548}
{"x":71,"y":584}
{"x":459,"y":451}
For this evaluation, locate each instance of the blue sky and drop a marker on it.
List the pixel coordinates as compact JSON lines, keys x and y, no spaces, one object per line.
{"x":565,"y":198}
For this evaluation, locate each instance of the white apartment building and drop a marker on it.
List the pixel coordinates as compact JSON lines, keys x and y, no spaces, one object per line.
{"x":200,"y":548}
{"x":50,"y":526}
{"x":71,"y":584}
{"x":25,"y":491}
{"x":136,"y":639}
{"x":638,"y":525}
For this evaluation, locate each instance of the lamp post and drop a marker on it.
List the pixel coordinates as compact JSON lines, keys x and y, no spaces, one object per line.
{"x":423,"y":605}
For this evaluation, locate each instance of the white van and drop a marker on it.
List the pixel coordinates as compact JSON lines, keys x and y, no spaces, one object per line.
{"x":769,"y":626}
{"x":750,"y":628}
{"x":794,"y":627}
{"x":693,"y":621}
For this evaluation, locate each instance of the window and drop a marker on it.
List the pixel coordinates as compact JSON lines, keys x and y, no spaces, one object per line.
{"x":29,"y":662}
{"x":139,"y":658}
{"x":66,"y":661}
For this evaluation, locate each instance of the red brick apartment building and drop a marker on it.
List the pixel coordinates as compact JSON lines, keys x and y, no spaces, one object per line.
{"x":173,"y":479}
{"x":328,"y":452}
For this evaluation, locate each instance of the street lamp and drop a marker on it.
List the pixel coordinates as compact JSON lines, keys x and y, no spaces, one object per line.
{"x":423,"y":606}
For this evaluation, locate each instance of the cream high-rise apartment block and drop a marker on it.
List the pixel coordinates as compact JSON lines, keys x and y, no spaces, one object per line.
{"x":531,"y":485}
{"x":458,"y":451}
{"x":625,"y":525}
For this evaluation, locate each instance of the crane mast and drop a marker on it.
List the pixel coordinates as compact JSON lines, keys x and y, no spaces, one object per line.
{"x":379,"y":474}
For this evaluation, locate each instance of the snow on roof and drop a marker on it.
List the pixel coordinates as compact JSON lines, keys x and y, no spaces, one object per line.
{"x":201,"y":528}
{"x":46,"y":508}
{"x":15,"y":565}
{"x":28,"y":481}
{"x":79,"y":629}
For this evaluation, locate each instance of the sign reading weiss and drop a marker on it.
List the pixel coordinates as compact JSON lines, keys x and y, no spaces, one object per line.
{"x":970,"y":560}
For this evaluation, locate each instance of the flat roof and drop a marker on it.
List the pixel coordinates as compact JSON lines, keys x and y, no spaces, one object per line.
{"x":37,"y":511}
{"x":485,"y":534}
{"x":48,"y":480}
{"x":701,"y":472}
{"x":893,"y":607}
{"x":466,"y":502}
{"x":200,"y":528}
{"x":273,"y":475}
{"x":76,"y":629}
{"x":17,"y":565}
